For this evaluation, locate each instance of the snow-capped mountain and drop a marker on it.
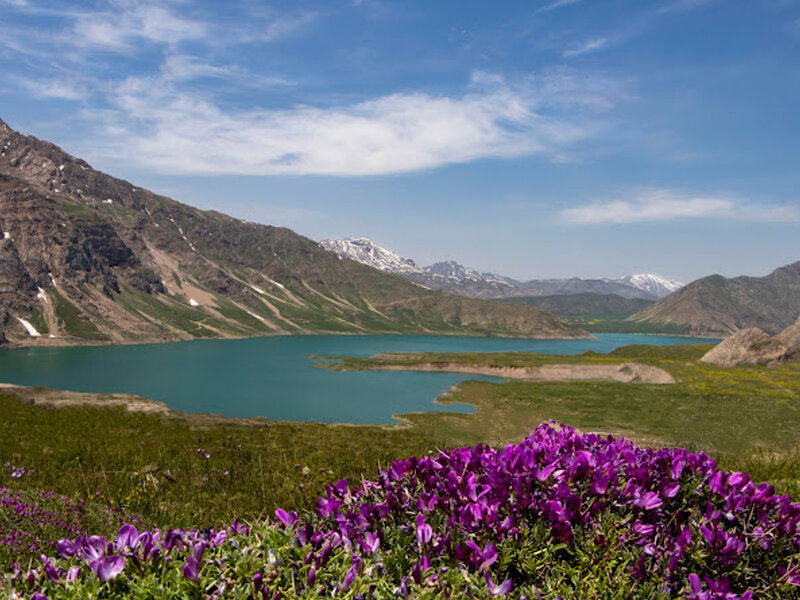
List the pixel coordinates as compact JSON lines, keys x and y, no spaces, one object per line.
{"x":366,"y":252}
{"x":656,"y":285}
{"x":448,"y":276}
{"x":455,"y":278}
{"x":454,"y":270}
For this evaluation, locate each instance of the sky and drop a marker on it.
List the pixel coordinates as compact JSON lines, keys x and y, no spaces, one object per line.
{"x":535,"y":138}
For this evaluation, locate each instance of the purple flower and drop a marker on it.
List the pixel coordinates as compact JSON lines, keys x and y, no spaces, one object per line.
{"x":65,"y":548}
{"x":107,"y":568}
{"x":191,"y":569}
{"x":648,"y":501}
{"x":424,"y":531}
{"x":372,"y":541}
{"x":288,"y":519}
{"x":72,"y":574}
{"x":498,"y":590}
{"x":92,"y":548}
{"x":127,"y":537}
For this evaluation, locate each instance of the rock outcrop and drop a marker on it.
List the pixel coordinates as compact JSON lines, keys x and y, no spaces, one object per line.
{"x":753,"y":346}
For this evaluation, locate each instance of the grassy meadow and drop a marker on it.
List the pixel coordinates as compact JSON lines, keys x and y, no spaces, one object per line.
{"x":203,"y":471}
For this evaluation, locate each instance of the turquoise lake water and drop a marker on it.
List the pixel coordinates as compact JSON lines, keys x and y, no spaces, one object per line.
{"x":272,"y":377}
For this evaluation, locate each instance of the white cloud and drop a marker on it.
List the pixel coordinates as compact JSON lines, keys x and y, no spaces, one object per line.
{"x":667,"y":205}
{"x":169,"y":130}
{"x":557,"y":4}
{"x":587,"y":47}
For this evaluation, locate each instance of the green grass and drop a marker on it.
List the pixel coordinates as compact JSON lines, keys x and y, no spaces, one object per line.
{"x":151,"y":464}
{"x":596,"y":324}
{"x":38,"y":321}
{"x":747,"y":418}
{"x":74,"y":321}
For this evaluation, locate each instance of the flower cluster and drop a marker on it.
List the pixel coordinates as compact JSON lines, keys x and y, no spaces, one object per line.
{"x":15,"y":471}
{"x":542,"y":518}
{"x":687,"y":519}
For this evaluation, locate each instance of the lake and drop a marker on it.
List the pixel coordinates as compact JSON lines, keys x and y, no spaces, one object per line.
{"x":272,"y":377}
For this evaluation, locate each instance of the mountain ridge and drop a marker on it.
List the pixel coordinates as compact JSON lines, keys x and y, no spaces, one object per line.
{"x":455,"y":278}
{"x":88,"y":258}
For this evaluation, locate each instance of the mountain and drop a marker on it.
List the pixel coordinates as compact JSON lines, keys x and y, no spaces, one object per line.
{"x":86,"y":257}
{"x":364,"y":251}
{"x":655,"y":285}
{"x":575,"y":285}
{"x":450,"y":276}
{"x":603,"y":306}
{"x":716,"y":305}
{"x":447,"y":276}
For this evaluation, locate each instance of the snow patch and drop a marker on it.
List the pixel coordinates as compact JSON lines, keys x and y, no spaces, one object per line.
{"x":108,"y":201}
{"x":252,"y":314}
{"x":257,"y":289}
{"x":193,"y":302}
{"x":280,"y":285}
{"x":42,"y":295}
{"x":652,"y":284}
{"x":367,"y":252}
{"x":60,"y":167}
{"x":6,"y":235}
{"x":31,"y":329}
{"x":52,"y":279}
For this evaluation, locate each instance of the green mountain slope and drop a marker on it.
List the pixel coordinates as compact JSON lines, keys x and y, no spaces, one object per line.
{"x":716,"y":305}
{"x":88,"y":257}
{"x":587,"y":304}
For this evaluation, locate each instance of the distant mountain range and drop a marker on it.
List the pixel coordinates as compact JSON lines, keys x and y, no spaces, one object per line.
{"x":87,"y":258}
{"x":455,"y":278}
{"x":716,"y":305}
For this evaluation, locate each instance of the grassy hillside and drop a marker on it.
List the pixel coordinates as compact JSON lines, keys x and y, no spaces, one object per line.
{"x":586,"y":306}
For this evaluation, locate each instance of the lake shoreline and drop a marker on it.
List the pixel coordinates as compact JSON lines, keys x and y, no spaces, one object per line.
{"x":625,"y":372}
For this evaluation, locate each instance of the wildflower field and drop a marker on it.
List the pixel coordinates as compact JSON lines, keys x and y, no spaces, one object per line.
{"x":97,"y":502}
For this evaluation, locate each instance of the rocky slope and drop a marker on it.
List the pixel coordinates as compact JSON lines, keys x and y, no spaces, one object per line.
{"x":86,"y":257}
{"x":452,"y":277}
{"x":754,"y":347}
{"x":716,"y":305}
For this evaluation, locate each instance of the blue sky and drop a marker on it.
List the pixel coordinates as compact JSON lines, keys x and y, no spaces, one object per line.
{"x":531,"y":138}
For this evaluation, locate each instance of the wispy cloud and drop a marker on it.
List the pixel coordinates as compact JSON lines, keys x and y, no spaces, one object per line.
{"x":61,"y":89}
{"x":682,"y":5}
{"x":587,"y":47}
{"x":556,"y":4}
{"x":284,"y":26}
{"x":134,"y":21}
{"x":667,"y":205}
{"x":162,"y":128}
{"x":634,"y":27}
